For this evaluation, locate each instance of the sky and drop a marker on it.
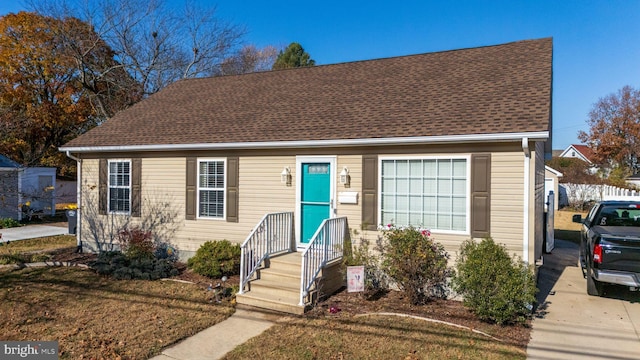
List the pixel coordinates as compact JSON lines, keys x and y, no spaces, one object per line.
{"x":596,"y":44}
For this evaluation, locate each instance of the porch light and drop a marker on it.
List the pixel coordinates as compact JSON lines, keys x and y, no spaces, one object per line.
{"x":345,"y":179}
{"x":285,"y":176}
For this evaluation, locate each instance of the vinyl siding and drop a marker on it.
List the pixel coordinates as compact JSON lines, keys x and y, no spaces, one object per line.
{"x":262,"y":192}
{"x":353,"y":212}
{"x":537,"y":238}
{"x":507,"y":196}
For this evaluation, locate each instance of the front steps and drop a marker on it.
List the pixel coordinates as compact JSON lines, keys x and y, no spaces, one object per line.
{"x":278,"y":287}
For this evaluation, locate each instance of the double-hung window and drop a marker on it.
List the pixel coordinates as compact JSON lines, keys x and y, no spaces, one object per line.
{"x":211,"y":188}
{"x":120,"y":186}
{"x":425,"y":192}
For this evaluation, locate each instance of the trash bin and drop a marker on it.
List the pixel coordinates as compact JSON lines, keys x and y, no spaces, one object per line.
{"x":72,"y":218}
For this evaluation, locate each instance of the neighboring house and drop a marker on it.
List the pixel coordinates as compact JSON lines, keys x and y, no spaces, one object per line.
{"x":582,"y":152}
{"x":453,"y":141}
{"x":26,"y":188}
{"x":634,"y":180}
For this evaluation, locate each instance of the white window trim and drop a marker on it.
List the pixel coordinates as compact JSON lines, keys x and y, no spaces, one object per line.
{"x":224,"y":190}
{"x":431,"y":157}
{"x":109,"y":187}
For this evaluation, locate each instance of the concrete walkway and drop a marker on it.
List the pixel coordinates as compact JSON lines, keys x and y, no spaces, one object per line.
{"x":31,"y":231}
{"x":216,"y":341}
{"x":573,"y":325}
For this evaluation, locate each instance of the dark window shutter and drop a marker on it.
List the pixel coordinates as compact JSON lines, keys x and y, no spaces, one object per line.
{"x":191,"y":181}
{"x":480,"y":195}
{"x":233,"y":168}
{"x":370,"y":192}
{"x":136,"y":187}
{"x":103,"y":183}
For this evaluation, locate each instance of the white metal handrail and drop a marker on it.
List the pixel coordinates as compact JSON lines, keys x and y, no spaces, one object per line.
{"x":326,"y":245}
{"x":273,"y":234}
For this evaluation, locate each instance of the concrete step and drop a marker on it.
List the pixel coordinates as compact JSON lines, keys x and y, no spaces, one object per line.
{"x":291,"y":262}
{"x":267,"y":301}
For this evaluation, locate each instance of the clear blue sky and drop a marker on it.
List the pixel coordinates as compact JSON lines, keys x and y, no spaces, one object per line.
{"x":596,"y":43}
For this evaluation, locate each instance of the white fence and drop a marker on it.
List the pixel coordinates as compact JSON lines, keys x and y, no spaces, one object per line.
{"x":579,"y":194}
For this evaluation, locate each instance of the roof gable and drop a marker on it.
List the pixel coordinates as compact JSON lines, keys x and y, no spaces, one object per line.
{"x":582,"y":152}
{"x":487,"y":90}
{"x":5,"y":162}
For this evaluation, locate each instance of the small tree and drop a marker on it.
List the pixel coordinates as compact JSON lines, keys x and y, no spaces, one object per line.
{"x":494,"y":286}
{"x":293,"y":56}
{"x":416,"y":263}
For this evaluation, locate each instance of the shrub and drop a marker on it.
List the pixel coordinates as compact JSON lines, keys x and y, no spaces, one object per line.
{"x":121,"y":267}
{"x":416,"y":262}
{"x":216,"y":259}
{"x":374,"y":278}
{"x":495,"y":286}
{"x":136,"y":243}
{"x":6,"y":223}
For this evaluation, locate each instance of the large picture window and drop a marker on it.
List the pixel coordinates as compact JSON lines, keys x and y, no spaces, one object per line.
{"x":425,"y":192}
{"x":211,"y":188}
{"x":120,"y":186}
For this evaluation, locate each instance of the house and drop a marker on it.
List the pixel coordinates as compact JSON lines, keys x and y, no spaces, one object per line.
{"x":453,"y":141}
{"x":582,"y":152}
{"x":25,"y":190}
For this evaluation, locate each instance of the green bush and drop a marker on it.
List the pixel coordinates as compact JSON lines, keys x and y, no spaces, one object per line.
{"x":361,"y":255}
{"x":495,"y":286}
{"x":416,"y":263}
{"x":216,"y":259}
{"x":6,"y":223}
{"x":121,"y":267}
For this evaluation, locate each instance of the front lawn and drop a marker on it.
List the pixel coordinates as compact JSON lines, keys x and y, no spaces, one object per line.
{"x":94,"y":317}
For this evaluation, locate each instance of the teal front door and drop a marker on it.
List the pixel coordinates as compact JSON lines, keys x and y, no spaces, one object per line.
{"x":315,"y":197}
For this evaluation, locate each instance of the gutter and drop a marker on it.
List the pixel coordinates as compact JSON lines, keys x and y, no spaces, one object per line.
{"x":411,"y":140}
{"x":527,"y":184}
{"x":78,"y":199}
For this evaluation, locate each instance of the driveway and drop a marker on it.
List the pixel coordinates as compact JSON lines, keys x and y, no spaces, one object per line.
{"x":573,"y":325}
{"x":31,"y":231}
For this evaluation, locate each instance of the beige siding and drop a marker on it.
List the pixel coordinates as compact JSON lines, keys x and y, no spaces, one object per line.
{"x":260,"y":192}
{"x":537,"y":237}
{"x":507,"y":199}
{"x":353,"y":212}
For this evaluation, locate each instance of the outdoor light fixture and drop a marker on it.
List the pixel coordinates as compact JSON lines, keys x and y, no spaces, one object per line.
{"x":345,"y":179}
{"x":285,"y":176}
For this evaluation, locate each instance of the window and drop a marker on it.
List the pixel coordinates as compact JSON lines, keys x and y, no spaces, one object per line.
{"x":211,"y":188}
{"x":120,"y":186}
{"x":431,"y":193}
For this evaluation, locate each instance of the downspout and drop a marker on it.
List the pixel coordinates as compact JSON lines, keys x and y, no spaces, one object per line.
{"x":527,"y":184}
{"x":78,"y":199}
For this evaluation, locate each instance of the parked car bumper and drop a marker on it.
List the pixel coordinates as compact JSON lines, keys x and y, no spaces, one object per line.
{"x":617,"y":277}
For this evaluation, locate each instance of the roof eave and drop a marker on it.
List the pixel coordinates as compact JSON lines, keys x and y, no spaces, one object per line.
{"x":504,"y":137}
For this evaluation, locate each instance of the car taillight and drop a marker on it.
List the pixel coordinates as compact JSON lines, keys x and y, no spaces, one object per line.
{"x":597,"y":254}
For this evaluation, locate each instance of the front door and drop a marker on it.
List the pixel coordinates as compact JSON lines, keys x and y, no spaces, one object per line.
{"x":315,"y":195}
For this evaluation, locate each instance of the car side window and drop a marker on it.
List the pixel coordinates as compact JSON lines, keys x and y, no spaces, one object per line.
{"x":592,"y":213}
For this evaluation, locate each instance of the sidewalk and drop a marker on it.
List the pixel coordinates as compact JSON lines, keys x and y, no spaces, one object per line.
{"x":216,"y":341}
{"x":30,"y":232}
{"x":573,"y":325}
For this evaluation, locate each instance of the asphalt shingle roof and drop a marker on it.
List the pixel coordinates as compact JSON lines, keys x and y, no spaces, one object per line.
{"x":486,"y":90}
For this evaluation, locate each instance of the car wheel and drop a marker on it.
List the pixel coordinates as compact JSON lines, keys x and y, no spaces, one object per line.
{"x":594,"y":287}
